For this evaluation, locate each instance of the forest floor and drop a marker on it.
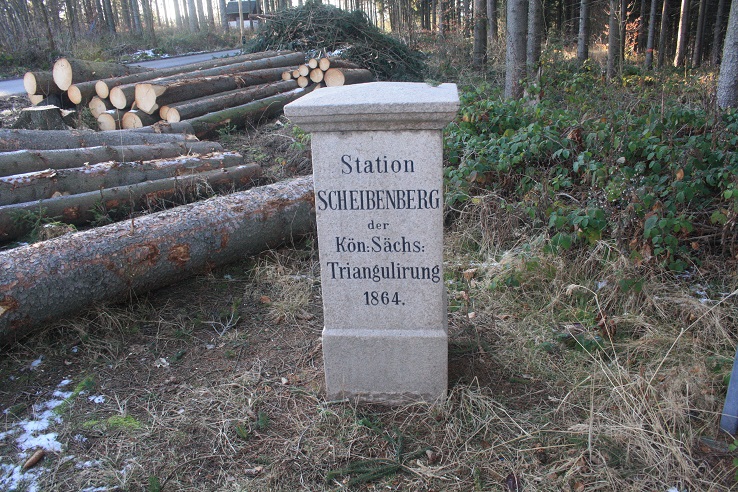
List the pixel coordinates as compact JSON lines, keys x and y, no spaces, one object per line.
{"x":216,"y":383}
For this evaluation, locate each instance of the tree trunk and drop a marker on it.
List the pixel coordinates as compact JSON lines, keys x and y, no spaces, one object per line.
{"x":110,"y":120}
{"x":203,"y":22}
{"x":67,"y":274}
{"x":533,"y":48}
{"x":492,"y":32}
{"x":178,"y":15}
{"x":642,"y":28}
{"x":479,"y":58}
{"x":583,"y":39}
{"x":40,"y":83}
{"x":137,"y":119}
{"x":135,"y":16}
{"x":663,"y":32}
{"x":43,"y":185}
{"x":28,"y":161}
{"x":699,"y":36}
{"x":82,"y":208}
{"x":98,"y":106}
{"x":68,"y":70}
{"x":515,"y":61}
{"x":223,"y":16}
{"x":240,"y":116}
{"x":11,"y":140}
{"x":613,"y":41}
{"x":209,"y":104}
{"x":717,"y":33}
{"x":651,"y":35}
{"x":149,"y":21}
{"x":109,"y":19}
{"x":40,"y":118}
{"x":40,"y":8}
{"x":82,"y":93}
{"x":727,"y":88}
{"x":683,"y":36}
{"x":335,"y":77}
{"x":153,"y":95}
{"x":104,"y":87}
{"x":211,"y":15}
{"x":194,"y":27}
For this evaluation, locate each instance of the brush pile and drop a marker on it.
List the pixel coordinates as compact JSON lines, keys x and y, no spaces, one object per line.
{"x":349,"y":35}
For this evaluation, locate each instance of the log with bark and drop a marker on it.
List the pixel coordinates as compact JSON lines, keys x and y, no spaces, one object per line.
{"x":62,"y":276}
{"x":99,"y":106}
{"x":70,"y":139}
{"x":27,"y":161}
{"x":41,"y":118}
{"x":40,"y":83}
{"x":110,"y":120}
{"x":317,"y":75}
{"x":209,"y":104}
{"x":239,"y":116}
{"x":335,"y":77}
{"x":82,"y":92}
{"x":67,"y":71}
{"x":104,"y":86}
{"x":137,"y":119}
{"x":83,"y":208}
{"x":326,"y":63}
{"x":123,"y":96}
{"x":43,"y":185}
{"x":302,"y":81}
{"x":151,"y":95}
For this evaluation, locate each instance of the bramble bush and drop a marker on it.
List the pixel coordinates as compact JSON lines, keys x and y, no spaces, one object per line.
{"x":588,"y":161}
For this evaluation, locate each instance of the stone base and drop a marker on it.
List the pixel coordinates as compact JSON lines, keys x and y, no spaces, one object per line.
{"x":386,"y":366}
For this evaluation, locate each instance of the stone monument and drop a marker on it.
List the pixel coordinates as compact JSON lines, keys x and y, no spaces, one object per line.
{"x":377,"y":153}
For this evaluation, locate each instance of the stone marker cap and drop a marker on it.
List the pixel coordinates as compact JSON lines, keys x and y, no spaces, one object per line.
{"x":376,"y":106}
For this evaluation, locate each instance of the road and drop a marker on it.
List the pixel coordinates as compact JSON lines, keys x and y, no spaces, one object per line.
{"x":15,"y":86}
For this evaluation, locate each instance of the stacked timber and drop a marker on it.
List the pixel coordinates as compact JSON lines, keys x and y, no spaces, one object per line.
{"x":72,"y":176}
{"x":331,"y":72}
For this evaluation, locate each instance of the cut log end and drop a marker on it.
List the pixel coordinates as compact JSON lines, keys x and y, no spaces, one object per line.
{"x":109,"y":120}
{"x":287,"y":75}
{"x":29,"y":83}
{"x":316,"y":75}
{"x":62,"y":73}
{"x":35,"y":98}
{"x":324,"y":64}
{"x":74,"y":94}
{"x":312,"y":63}
{"x":118,"y":98}
{"x":335,"y":77}
{"x":173,"y":116}
{"x":99,"y":106}
{"x":302,"y":81}
{"x":137,"y":119}
{"x":101,"y":89}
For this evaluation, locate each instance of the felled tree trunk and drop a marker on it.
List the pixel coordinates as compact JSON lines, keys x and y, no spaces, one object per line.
{"x":104,"y":86}
{"x":150,"y":96}
{"x":344,"y":76}
{"x":240,"y":116}
{"x":99,"y":106}
{"x":69,"y":139}
{"x":67,"y":71}
{"x":28,"y":161}
{"x":197,"y":107}
{"x":62,"y":276}
{"x":137,"y":119}
{"x":40,"y":83}
{"x":40,"y":118}
{"x":43,"y":185}
{"x":80,"y":208}
{"x":82,"y":93}
{"x":110,"y":120}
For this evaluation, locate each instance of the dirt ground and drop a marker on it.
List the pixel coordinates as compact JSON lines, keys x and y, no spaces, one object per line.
{"x":216,"y":384}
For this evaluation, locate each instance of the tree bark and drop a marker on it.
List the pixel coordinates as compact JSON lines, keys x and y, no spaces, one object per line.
{"x":683,"y":35}
{"x":151,"y":96}
{"x":67,"y":71}
{"x":81,"y":208}
{"x":11,"y":140}
{"x":203,"y":22}
{"x":137,"y":119}
{"x":335,"y":77}
{"x":651,"y":35}
{"x":59,"y":277}
{"x":583,"y":38}
{"x":613,"y":41}
{"x":178,"y":15}
{"x":699,"y":36}
{"x":535,"y":34}
{"x":223,"y":16}
{"x":662,"y":33}
{"x":240,"y":116}
{"x":211,"y":15}
{"x":492,"y":31}
{"x":110,"y":120}
{"x":515,"y":53}
{"x":197,"y":107}
{"x":480,"y":35}
{"x":40,"y":83}
{"x":43,"y":185}
{"x":194,"y":27}
{"x":109,"y":18}
{"x":642,"y":28}
{"x":727,"y":88}
{"x":717,"y":33}
{"x":28,"y":161}
{"x":82,"y":93}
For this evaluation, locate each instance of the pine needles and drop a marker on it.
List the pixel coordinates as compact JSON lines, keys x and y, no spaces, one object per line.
{"x":323,"y":29}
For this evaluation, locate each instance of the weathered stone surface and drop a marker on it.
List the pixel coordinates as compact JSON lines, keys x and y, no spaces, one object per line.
{"x":377,"y":164}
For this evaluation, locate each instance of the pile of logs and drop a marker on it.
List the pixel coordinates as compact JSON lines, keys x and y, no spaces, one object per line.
{"x":208,"y":95}
{"x":75,"y":177}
